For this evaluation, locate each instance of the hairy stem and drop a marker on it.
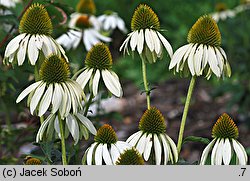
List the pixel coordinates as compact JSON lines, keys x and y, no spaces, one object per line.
{"x":64,"y":158}
{"x":145,"y":81}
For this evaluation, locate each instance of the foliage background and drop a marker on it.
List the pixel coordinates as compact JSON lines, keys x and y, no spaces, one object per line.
{"x":176,"y":17}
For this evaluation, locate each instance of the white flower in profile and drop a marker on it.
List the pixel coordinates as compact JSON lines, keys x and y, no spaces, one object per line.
{"x":106,"y":149}
{"x":55,"y":89}
{"x":203,"y":54}
{"x":98,"y":63}
{"x":110,"y":21}
{"x":76,"y":124}
{"x":145,"y":37}
{"x":225,"y":144}
{"x":9,"y":3}
{"x":152,"y":140}
{"x":35,"y":39}
{"x":85,"y":28}
{"x":222,"y":13}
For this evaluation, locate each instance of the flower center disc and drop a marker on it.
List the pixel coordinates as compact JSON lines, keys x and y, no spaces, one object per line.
{"x":144,"y":18}
{"x":225,"y":128}
{"x":54,"y":70}
{"x":130,"y":157}
{"x":99,"y":57}
{"x":83,"y":22}
{"x":36,"y":20}
{"x":106,"y":135}
{"x":152,"y":121}
{"x":205,"y":31}
{"x":86,"y":7}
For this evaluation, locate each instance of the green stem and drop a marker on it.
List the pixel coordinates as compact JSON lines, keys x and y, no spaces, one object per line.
{"x":185,"y":112}
{"x":64,"y":158}
{"x":144,"y":74}
{"x":88,"y":104}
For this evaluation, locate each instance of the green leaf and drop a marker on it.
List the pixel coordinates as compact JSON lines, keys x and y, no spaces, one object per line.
{"x":196,"y":139}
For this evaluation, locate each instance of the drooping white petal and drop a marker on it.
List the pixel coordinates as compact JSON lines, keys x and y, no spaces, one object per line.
{"x":166,"y":44}
{"x":219,"y":152}
{"x":111,"y":83}
{"x":134,"y":40}
{"x":206,"y":152}
{"x":69,"y":101}
{"x":157,"y":43}
{"x":191,"y":60}
{"x":90,"y":153}
{"x":213,"y":155}
{"x":149,"y":40}
{"x":227,"y":152}
{"x":165,"y":148}
{"x":157,"y":148}
{"x":13,"y":45}
{"x":21,"y":54}
{"x":135,"y":139}
{"x":243,"y":150}
{"x":114,"y":153}
{"x":33,"y":52}
{"x":141,"y":144}
{"x":86,"y":122}
{"x":239,"y":152}
{"x":106,"y":155}
{"x":28,"y":90}
{"x":121,"y":145}
{"x":57,"y":127}
{"x":36,"y":97}
{"x":96,"y":82}
{"x":140,"y":43}
{"x":178,"y":55}
{"x":84,"y":77}
{"x":132,"y":136}
{"x":73,"y":127}
{"x":98,"y":154}
{"x":198,"y":59}
{"x":57,"y":98}
{"x":173,"y":148}
{"x":148,"y":147}
{"x":212,"y":61}
{"x":38,"y":42}
{"x":43,"y":127}
{"x":45,"y":101}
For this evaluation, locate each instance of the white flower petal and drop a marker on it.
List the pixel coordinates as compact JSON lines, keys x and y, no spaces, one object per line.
{"x":213,"y":155}
{"x":43,"y":127}
{"x":239,"y":152}
{"x":21,"y":54}
{"x":86,"y":122}
{"x":90,"y":153}
{"x":121,"y":145}
{"x":227,"y":152}
{"x":84,"y":77}
{"x":140,"y":43}
{"x":173,"y":148}
{"x":178,"y":56}
{"x":157,"y":43}
{"x":45,"y":101}
{"x":219,"y":152}
{"x":157,"y":148}
{"x":112,"y":84}
{"x":36,"y":97}
{"x":149,"y":40}
{"x":206,"y":152}
{"x":134,"y":40}
{"x":132,"y":136}
{"x":73,"y":127}
{"x":135,"y":139}
{"x":57,"y":98}
{"x":114,"y":153}
{"x":212,"y":61}
{"x":148,"y":147}
{"x":13,"y":45}
{"x":33,"y":52}
{"x":57,"y":127}
{"x":198,"y":59}
{"x":165,"y":148}
{"x":191,"y":60}
{"x":96,"y":82}
{"x":98,"y":154}
{"x":140,"y":146}
{"x":28,"y":90}
{"x":106,"y":155}
{"x":166,"y":44}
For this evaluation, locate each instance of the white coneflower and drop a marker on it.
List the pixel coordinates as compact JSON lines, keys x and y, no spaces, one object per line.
{"x":76,"y":124}
{"x":9,"y":3}
{"x":222,"y":13}
{"x":152,"y":140}
{"x":203,"y":54}
{"x":35,"y":38}
{"x":98,"y":63}
{"x":145,"y":37}
{"x":55,"y":88}
{"x":110,"y":21}
{"x":130,"y":157}
{"x":224,"y":144}
{"x":106,"y":149}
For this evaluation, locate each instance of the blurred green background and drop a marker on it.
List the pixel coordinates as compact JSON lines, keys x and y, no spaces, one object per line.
{"x":176,"y":18}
